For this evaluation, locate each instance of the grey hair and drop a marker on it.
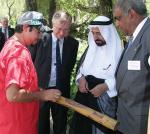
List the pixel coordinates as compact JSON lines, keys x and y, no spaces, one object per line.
{"x":62,"y":17}
{"x":137,"y":5}
{"x":3,"y":18}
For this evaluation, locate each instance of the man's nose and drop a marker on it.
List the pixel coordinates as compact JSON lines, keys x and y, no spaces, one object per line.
{"x":117,"y":23}
{"x":61,"y":33}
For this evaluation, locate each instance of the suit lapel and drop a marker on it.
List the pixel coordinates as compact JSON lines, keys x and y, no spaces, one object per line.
{"x":50,"y":48}
{"x":64,"y":51}
{"x":47,"y":49}
{"x":129,"y":55}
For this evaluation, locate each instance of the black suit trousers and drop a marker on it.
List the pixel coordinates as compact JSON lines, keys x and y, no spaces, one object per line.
{"x":59,"y":116}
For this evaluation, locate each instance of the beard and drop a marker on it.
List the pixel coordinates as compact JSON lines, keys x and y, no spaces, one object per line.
{"x":100,"y":42}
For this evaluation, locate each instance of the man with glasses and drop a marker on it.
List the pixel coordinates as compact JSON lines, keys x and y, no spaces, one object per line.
{"x":133,"y":73}
{"x":19,"y":91}
{"x":54,"y":60}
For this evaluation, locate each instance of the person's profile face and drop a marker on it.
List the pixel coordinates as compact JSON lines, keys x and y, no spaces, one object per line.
{"x":122,"y":21}
{"x":98,"y":38}
{"x":61,"y":29}
{"x":33,"y":34}
{"x":36,"y":34}
{"x":5,"y":23}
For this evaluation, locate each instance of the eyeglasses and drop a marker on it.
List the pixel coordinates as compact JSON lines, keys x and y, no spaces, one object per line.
{"x":121,"y":16}
{"x":65,"y":30}
{"x":118,"y":18}
{"x":38,"y":27}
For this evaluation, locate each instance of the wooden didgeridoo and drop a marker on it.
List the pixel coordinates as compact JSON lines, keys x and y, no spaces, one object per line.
{"x":89,"y":112}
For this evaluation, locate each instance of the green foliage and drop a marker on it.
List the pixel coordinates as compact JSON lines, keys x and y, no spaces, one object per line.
{"x":43,"y":7}
{"x":81,"y":18}
{"x":17,"y":8}
{"x":82,"y":47}
{"x":74,"y":88}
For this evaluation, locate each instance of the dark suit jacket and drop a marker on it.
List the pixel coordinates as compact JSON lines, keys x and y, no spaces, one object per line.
{"x":42,"y":60}
{"x":10,"y":31}
{"x":134,"y":85}
{"x":2,"y":40}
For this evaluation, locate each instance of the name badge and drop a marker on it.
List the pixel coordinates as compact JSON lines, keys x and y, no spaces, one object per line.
{"x":134,"y":65}
{"x":149,"y":60}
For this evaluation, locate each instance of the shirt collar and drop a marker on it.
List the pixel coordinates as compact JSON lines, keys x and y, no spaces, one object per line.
{"x":55,"y":39}
{"x":139,"y":27}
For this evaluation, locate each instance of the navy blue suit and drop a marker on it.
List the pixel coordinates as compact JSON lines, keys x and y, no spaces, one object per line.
{"x":42,"y":59}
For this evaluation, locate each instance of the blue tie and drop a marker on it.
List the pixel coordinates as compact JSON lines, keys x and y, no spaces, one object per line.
{"x":128,"y":43}
{"x":58,"y":65}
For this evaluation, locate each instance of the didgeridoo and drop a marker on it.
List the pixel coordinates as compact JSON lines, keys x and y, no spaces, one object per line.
{"x":89,"y":112}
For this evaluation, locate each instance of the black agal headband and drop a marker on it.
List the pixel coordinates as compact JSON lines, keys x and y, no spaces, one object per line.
{"x":100,"y":22}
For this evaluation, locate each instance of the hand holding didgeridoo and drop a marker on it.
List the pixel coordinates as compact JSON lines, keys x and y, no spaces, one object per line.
{"x":88,"y":112}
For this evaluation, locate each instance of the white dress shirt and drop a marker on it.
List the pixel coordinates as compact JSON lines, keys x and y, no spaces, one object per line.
{"x":52,"y":81}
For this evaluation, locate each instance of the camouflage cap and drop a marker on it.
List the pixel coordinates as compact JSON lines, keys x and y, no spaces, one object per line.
{"x":30,"y":18}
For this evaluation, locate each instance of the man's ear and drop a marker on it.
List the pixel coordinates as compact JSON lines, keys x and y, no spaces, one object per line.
{"x":132,"y":14}
{"x":26,"y":27}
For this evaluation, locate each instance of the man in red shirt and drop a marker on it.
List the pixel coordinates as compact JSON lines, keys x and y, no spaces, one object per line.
{"x":19,"y":91}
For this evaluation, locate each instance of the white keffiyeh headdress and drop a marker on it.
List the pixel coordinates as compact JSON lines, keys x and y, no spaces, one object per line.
{"x":102,"y":61}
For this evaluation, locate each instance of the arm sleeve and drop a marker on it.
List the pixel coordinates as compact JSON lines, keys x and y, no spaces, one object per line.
{"x":111,"y":83}
{"x":17,"y":72}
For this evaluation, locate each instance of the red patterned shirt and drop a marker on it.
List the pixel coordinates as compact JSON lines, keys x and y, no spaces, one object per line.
{"x":16,"y":67}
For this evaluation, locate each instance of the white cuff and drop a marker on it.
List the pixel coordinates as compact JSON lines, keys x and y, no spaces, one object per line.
{"x":111,"y":83}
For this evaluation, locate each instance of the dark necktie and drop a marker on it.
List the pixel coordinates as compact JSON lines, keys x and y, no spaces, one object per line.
{"x":58,"y":64}
{"x":5,"y":33}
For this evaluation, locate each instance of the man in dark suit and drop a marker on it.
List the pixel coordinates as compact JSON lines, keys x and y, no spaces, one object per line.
{"x":54,"y":69}
{"x":133,"y":73}
{"x":2,"y":40}
{"x":7,"y":30}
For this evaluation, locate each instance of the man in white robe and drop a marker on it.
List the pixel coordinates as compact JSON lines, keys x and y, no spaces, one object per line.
{"x":96,"y":75}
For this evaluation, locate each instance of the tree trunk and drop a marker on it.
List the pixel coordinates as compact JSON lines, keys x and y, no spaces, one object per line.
{"x":10,"y":5}
{"x":31,"y":5}
{"x":105,"y":8}
{"x":52,"y":9}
